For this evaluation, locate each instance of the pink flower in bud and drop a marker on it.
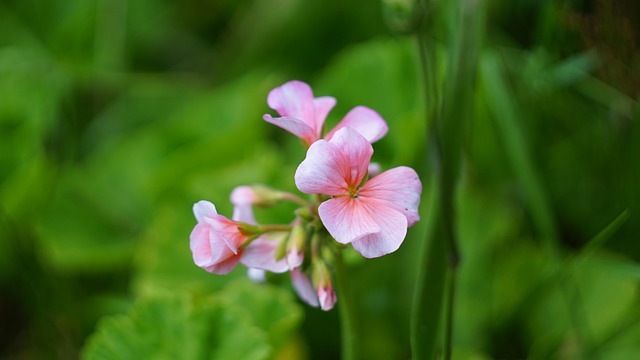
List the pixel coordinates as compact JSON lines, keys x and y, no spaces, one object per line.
{"x":373,"y":216}
{"x":216,"y":242}
{"x":295,"y":245}
{"x":327,"y":297}
{"x":322,"y":280}
{"x":304,"y":116}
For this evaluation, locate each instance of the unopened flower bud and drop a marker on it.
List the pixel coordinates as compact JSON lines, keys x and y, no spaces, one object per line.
{"x":296,"y":245}
{"x":324,"y":288}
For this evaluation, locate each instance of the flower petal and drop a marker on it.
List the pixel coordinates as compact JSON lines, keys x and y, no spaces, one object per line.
{"x":220,"y":250}
{"x":347,"y":219}
{"x":327,"y":298}
{"x":261,"y":254}
{"x":294,"y":258}
{"x":398,"y":188}
{"x":322,"y":107}
{"x":321,"y":171}
{"x":335,"y":167}
{"x":203,"y":209}
{"x":228,"y":231}
{"x":303,"y":287}
{"x":293,"y":99}
{"x":223,"y":267}
{"x":365,"y":121}
{"x":356,"y":152}
{"x":243,"y":195}
{"x":244,"y":213}
{"x":393,"y":229}
{"x":295,"y":126}
{"x":200,"y":245}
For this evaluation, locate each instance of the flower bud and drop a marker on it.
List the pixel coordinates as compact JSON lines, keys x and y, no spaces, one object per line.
{"x":296,"y":245}
{"x":324,"y":288}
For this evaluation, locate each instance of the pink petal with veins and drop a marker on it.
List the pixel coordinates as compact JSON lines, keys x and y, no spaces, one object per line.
{"x":334,"y":167}
{"x":294,"y":99}
{"x":365,"y":121}
{"x":398,"y":188}
{"x":347,"y":219}
{"x":295,"y":126}
{"x":393,"y":229}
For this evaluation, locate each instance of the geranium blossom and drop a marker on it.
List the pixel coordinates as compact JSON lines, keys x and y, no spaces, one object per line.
{"x":304,"y":116}
{"x":216,"y":241}
{"x":373,"y":216}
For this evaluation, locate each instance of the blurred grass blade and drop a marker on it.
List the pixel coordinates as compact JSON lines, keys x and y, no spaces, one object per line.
{"x":606,"y":233}
{"x":506,"y":117}
{"x":440,"y":252}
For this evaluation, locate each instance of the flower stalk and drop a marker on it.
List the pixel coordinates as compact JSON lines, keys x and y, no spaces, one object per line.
{"x":349,"y":330}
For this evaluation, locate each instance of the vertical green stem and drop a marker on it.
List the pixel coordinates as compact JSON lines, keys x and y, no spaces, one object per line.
{"x":349,"y":329}
{"x":437,"y":273}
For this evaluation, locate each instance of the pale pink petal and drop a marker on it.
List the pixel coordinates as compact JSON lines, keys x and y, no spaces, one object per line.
{"x":203,"y":209}
{"x":393,"y":229}
{"x":327,"y":297}
{"x":223,"y":267}
{"x":356,"y":154}
{"x":200,"y":245}
{"x":261,"y":254}
{"x":220,"y":250}
{"x":244,"y":213}
{"x":294,"y":258}
{"x":322,"y":107}
{"x":398,"y":188}
{"x":243,"y":195}
{"x":374,"y":169}
{"x":295,"y":126}
{"x":257,"y":275}
{"x":347,"y":219}
{"x":321,"y":172}
{"x":293,"y":99}
{"x":228,"y":231}
{"x":303,"y":287}
{"x":365,"y":121}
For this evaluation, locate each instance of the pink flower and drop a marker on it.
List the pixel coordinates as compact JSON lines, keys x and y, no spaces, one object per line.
{"x":215,"y":241}
{"x":304,"y":116}
{"x":373,"y":216}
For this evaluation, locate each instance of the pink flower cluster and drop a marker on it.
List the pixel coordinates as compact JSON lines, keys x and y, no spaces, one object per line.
{"x":350,"y":202}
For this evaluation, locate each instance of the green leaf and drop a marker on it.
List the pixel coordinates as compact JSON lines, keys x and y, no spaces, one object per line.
{"x":243,"y":321}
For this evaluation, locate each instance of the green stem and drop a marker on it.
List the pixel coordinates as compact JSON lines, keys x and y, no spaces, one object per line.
{"x":437,"y":273}
{"x":349,"y":329}
{"x":273,"y":228}
{"x":295,"y":198}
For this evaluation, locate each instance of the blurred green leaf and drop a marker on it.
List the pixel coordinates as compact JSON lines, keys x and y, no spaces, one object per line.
{"x":244,"y":321}
{"x":175,"y":327}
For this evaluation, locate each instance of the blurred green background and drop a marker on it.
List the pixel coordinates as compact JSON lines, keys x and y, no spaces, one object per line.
{"x":116,"y":116}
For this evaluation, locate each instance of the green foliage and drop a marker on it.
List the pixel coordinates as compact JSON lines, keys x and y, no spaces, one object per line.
{"x":246,"y":323}
{"x":117,"y":116}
